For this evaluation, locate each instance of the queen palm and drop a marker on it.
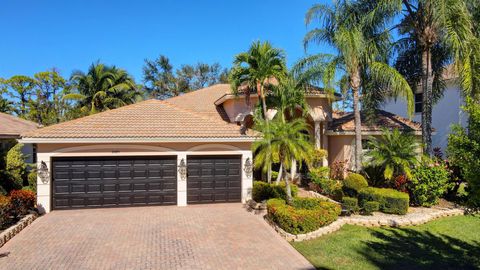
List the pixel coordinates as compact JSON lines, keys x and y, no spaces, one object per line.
{"x":435,"y":32}
{"x":255,"y":69}
{"x":286,"y":141}
{"x":356,"y":32}
{"x":103,"y":87}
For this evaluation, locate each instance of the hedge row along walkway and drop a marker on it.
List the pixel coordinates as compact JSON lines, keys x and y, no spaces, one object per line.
{"x":415,"y":216}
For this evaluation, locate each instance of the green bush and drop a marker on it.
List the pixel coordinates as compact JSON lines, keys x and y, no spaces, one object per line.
{"x":323,"y":184}
{"x":32,"y":180}
{"x":390,"y":200}
{"x":16,"y":167}
{"x":370,"y":207}
{"x":350,"y":204}
{"x":5,"y":208}
{"x":353,"y":183}
{"x":263,"y":191}
{"x":274,"y":175}
{"x":304,"y":215}
{"x":429,"y":182}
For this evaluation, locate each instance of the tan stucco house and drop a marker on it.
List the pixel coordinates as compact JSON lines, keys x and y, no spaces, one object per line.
{"x":194,"y":148}
{"x":10,"y":129}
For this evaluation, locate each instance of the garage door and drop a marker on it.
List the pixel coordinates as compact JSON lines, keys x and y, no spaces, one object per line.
{"x":108,"y":182}
{"x":214,"y":179}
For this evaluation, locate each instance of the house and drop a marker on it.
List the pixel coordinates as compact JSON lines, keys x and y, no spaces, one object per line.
{"x":10,"y":129}
{"x":446,"y":112}
{"x":190,"y":149}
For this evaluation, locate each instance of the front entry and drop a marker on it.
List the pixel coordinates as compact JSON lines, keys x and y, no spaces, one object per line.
{"x":214,"y":179}
{"x":84,"y":182}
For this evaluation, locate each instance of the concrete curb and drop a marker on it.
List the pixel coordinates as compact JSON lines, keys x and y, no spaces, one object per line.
{"x":10,"y":232}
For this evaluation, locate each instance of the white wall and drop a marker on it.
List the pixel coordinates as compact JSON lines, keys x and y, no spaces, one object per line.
{"x":446,"y":111}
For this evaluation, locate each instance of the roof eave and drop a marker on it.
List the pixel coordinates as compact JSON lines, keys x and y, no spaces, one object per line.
{"x":365,"y":132}
{"x":138,"y":140}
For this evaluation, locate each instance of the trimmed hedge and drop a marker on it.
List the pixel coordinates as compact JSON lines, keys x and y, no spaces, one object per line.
{"x":390,"y":201}
{"x":350,"y":204}
{"x":353,"y":183}
{"x":22,"y":201}
{"x":5,"y":208}
{"x":304,"y":215}
{"x":263,"y":191}
{"x":370,"y":207}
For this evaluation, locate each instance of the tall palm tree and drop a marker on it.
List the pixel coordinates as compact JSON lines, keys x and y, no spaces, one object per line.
{"x":435,"y":32}
{"x":394,"y":152}
{"x":256,"y":69}
{"x":286,"y":141}
{"x":357,"y":33}
{"x":103,"y":87}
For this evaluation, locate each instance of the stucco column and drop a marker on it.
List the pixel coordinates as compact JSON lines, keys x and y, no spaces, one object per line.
{"x":317,"y":135}
{"x":247,"y":181}
{"x":325,"y":141}
{"x":181,"y":183}
{"x":44,"y":184}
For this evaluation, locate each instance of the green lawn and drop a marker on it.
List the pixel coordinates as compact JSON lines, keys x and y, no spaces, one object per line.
{"x":449,"y":243}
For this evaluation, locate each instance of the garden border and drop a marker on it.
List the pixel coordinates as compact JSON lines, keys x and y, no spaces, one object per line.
{"x":10,"y":232}
{"x":366,"y":221}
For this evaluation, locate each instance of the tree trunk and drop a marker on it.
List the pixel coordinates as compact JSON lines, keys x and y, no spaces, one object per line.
{"x":355,"y":84}
{"x":288,"y":187}
{"x":427,"y":81}
{"x":264,"y":107}
{"x":280,"y":173}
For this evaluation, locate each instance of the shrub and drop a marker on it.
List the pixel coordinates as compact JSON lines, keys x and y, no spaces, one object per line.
{"x":5,"y":208}
{"x":32,"y":180}
{"x":22,"y":201}
{"x":263,"y":191}
{"x":390,"y":201}
{"x":430,"y":180}
{"x":323,"y":184}
{"x":16,"y":167}
{"x":350,"y":204}
{"x":353,"y":183}
{"x":370,"y":207}
{"x":304,"y":215}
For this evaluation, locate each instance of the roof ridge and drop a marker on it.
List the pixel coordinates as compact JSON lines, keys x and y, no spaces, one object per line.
{"x":196,"y":91}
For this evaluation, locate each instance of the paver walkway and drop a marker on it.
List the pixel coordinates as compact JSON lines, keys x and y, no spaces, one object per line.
{"x":215,"y":236}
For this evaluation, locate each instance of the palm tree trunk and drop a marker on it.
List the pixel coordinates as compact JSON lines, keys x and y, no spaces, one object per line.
{"x":280,"y":173}
{"x":355,"y":84}
{"x":287,"y":186}
{"x":264,"y":107}
{"x":427,"y":81}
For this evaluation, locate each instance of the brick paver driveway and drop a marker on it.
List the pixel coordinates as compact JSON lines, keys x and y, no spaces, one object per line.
{"x":215,"y":236}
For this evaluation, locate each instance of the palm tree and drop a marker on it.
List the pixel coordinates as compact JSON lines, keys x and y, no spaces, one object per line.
{"x":6,"y":106}
{"x":256,"y":69}
{"x":287,"y":97}
{"x":285,"y":141}
{"x":357,"y":33}
{"x":434,"y":33}
{"x":394,"y":152}
{"x":102,"y":88}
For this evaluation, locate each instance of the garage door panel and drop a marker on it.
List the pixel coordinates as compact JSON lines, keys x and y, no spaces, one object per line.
{"x":119,"y":181}
{"x":213,"y":179}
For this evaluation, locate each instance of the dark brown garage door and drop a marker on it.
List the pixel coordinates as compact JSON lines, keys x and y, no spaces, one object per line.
{"x":119,"y":181}
{"x":214,"y":179}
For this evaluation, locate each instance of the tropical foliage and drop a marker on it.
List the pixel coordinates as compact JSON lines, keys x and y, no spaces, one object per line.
{"x":358,"y":34}
{"x":395,"y":152}
{"x":102,"y":88}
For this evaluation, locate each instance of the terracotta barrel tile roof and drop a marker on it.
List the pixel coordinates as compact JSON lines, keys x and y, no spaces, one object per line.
{"x":345,"y":122}
{"x":12,"y":127}
{"x":146,"y":119}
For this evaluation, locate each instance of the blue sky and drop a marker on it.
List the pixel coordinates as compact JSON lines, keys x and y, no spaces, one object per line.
{"x":70,"y":35}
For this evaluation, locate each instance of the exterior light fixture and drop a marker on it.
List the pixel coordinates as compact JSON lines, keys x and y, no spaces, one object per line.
{"x":182,"y":169}
{"x":43,"y":173}
{"x":248,"y":168}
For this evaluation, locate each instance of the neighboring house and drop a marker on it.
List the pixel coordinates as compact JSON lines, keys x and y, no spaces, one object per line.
{"x":194,"y":148}
{"x":10,"y":129}
{"x":446,"y":112}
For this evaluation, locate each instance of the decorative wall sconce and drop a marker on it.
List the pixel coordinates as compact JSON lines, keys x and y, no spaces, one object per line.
{"x":43,"y":173}
{"x":182,"y":169}
{"x":248,"y":168}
